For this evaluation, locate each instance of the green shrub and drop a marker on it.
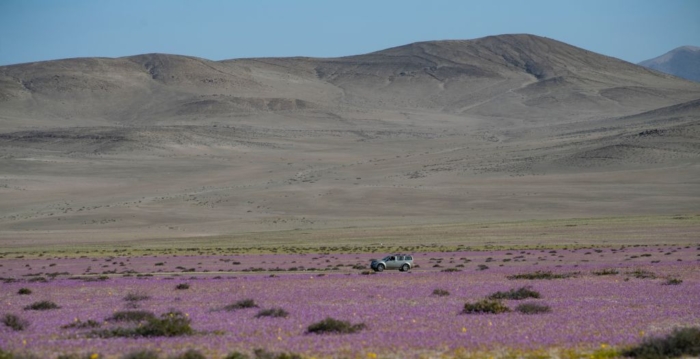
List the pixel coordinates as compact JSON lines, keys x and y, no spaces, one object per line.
{"x":14,"y":322}
{"x":264,"y":354}
{"x":43,"y":305}
{"x":482,"y":267}
{"x":451,"y":270}
{"x":533,"y":308}
{"x":136,"y":297}
{"x":182,"y":286}
{"x":485,"y":306}
{"x":237,"y":355}
{"x":516,"y":294}
{"x":24,"y":291}
{"x":681,"y":342}
{"x":272,"y":312}
{"x":642,"y":274}
{"x":170,"y":324}
{"x":190,"y":354}
{"x":542,"y":275}
{"x":141,"y":354}
{"x":441,"y":292}
{"x":82,"y":325}
{"x":334,"y":326}
{"x":241,"y":304}
{"x":131,"y":316}
{"x":610,"y":271}
{"x":673,"y":281}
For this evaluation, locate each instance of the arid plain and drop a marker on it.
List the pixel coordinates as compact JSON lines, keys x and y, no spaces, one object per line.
{"x":499,"y":129}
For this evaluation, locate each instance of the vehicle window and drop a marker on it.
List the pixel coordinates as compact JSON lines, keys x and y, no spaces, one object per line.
{"x":400,"y":258}
{"x":409,"y":258}
{"x":387,"y":258}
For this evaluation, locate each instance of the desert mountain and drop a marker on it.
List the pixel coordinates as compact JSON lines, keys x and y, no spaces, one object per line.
{"x":499,"y":128}
{"x":683,"y":62}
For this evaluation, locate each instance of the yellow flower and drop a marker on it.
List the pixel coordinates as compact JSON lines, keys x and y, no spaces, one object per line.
{"x":94,"y":356}
{"x":464,"y":329}
{"x":371,"y":355}
{"x":603,"y":346}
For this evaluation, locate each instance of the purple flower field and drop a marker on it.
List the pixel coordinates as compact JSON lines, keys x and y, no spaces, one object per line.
{"x":402,"y":316}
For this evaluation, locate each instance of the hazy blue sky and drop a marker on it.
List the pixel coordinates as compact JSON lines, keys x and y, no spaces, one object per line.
{"x":34,"y":30}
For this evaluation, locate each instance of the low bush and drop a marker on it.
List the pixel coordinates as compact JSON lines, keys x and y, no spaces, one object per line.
{"x":14,"y":322}
{"x":136,"y":297}
{"x":272,"y":312}
{"x":237,"y":355}
{"x":43,"y":305}
{"x":24,"y":291}
{"x":610,"y":271}
{"x":516,"y":294}
{"x":482,"y":267}
{"x":170,"y":324}
{"x":241,"y":304}
{"x":78,"y":356}
{"x":190,"y":354}
{"x":673,"y":281}
{"x":334,"y":326}
{"x":642,"y":274}
{"x":141,"y":354}
{"x":451,"y":270}
{"x":78,"y":324}
{"x":131,"y":316}
{"x":543,"y":275}
{"x":681,"y":342}
{"x":182,"y":286}
{"x":485,"y":306}
{"x":264,"y":354}
{"x":441,"y":292}
{"x":533,"y":308}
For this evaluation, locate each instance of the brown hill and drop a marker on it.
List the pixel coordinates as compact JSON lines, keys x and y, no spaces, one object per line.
{"x":500,"y":128}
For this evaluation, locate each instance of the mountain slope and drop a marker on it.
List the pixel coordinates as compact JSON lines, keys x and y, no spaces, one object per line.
{"x":508,"y":76}
{"x":683,"y":62}
{"x":508,"y":127}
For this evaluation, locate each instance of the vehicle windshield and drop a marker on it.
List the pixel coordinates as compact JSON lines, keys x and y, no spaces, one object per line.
{"x":386,"y":258}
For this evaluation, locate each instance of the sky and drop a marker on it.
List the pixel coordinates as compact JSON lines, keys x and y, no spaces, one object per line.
{"x":38,"y":30}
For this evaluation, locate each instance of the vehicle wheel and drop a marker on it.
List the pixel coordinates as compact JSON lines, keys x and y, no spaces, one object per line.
{"x":404,"y":268}
{"x":380,"y":268}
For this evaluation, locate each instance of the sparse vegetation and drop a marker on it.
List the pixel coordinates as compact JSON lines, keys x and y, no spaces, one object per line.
{"x":681,"y":342}
{"x":485,"y":306}
{"x":24,"y":291}
{"x":141,"y":354}
{"x":42,"y":305}
{"x":182,"y":286}
{"x":533,"y":308}
{"x":543,"y":275}
{"x":14,"y":322}
{"x":673,"y":281}
{"x":190,"y":354}
{"x":516,"y":294}
{"x":334,"y":326}
{"x":241,"y":304}
{"x":440,"y":292}
{"x":642,"y":274}
{"x":170,"y":324}
{"x":610,"y":271}
{"x":272,"y":312}
{"x":78,"y":324}
{"x":136,"y":297}
{"x":131,"y":316}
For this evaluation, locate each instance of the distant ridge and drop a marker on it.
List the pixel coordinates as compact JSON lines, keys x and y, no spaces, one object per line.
{"x":505,"y":76}
{"x":683,"y":62}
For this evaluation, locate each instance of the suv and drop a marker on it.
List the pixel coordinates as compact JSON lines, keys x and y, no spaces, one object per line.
{"x":399,"y":261}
